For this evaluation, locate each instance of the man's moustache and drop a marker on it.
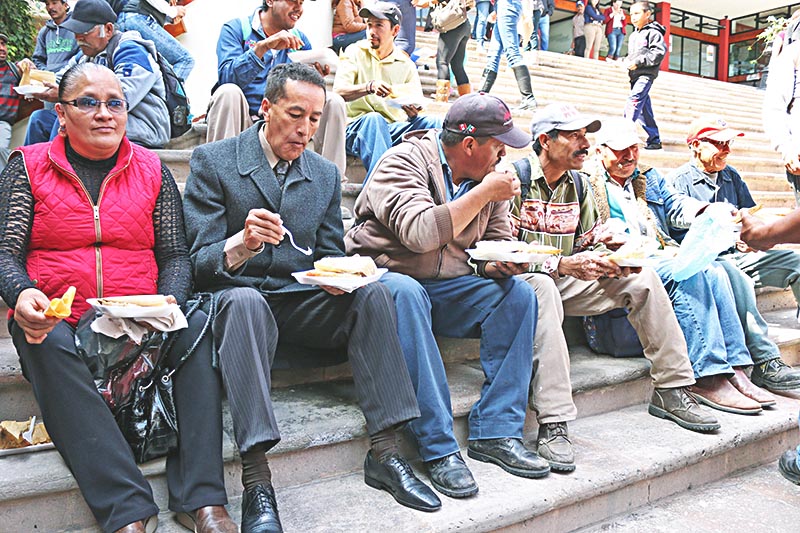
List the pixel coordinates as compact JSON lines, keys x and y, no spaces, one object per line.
{"x":580,"y":152}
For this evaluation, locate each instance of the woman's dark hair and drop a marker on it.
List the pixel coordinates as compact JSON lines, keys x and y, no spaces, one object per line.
{"x":70,"y":78}
{"x":280,"y":74}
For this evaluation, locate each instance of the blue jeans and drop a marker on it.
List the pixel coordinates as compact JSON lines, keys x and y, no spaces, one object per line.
{"x":479,"y":27}
{"x":639,"y":109}
{"x":369,"y":136}
{"x":706,"y":312}
{"x":756,"y":331}
{"x":615,"y":39}
{"x":504,"y":37}
{"x":502,"y":313}
{"x":340,"y":42}
{"x":42,"y":127}
{"x":540,"y":38}
{"x":176,"y":55}
{"x":406,"y":40}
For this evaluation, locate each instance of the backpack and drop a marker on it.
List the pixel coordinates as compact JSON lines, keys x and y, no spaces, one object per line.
{"x":446,"y":17}
{"x":117,"y":5}
{"x":175,"y":92}
{"x":610,"y":333}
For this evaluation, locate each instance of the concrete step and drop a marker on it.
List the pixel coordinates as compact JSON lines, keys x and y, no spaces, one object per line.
{"x":323,"y":437}
{"x":626,"y":459}
{"x":715,"y":507}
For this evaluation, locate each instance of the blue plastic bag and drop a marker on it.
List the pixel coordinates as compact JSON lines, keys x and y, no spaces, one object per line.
{"x":709,"y":236}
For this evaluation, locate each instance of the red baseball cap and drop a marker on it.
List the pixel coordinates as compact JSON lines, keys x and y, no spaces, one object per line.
{"x":712,"y":128}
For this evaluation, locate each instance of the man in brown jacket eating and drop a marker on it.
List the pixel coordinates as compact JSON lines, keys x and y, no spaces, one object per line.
{"x":428,"y":200}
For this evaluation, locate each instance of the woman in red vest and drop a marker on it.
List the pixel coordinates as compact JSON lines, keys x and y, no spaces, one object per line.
{"x":92,"y":210}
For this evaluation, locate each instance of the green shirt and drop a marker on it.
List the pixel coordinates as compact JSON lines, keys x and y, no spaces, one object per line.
{"x":556,"y":216}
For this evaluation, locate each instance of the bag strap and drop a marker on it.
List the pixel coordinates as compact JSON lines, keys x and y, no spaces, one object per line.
{"x":111,"y":48}
{"x":577,"y":179}
{"x":523,"y":168}
{"x":196,"y":303}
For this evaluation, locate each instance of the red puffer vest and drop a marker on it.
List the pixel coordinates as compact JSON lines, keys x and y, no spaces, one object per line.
{"x":104,"y":250}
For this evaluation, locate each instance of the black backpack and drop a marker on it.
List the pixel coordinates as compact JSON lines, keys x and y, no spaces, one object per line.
{"x":176,"y":99}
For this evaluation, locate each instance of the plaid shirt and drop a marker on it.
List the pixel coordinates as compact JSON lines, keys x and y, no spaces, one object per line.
{"x":9,"y":100}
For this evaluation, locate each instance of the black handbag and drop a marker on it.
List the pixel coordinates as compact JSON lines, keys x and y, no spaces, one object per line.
{"x":136,"y":382}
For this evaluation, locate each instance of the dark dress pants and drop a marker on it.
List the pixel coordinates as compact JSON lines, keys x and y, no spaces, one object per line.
{"x":87,"y":437}
{"x":247,"y":327}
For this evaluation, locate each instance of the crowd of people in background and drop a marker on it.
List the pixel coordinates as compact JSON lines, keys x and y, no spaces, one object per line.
{"x":275,"y":157}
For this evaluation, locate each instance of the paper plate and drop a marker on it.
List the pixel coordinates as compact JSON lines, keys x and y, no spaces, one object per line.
{"x":131,"y":311}
{"x":348,"y":284}
{"x":31,"y":90}
{"x":28,"y":449}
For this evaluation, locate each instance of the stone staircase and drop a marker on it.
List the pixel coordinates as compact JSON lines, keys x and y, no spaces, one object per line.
{"x":626,"y":459}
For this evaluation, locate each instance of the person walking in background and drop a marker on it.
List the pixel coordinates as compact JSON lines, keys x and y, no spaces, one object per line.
{"x":348,"y":26}
{"x":578,"y":36}
{"x":450,"y":54}
{"x":148,"y":18}
{"x":540,"y":37}
{"x":506,"y":41}
{"x":406,"y":40}
{"x":483,"y":8}
{"x":593,"y":29}
{"x":646,"y":51}
{"x":615,"y":20}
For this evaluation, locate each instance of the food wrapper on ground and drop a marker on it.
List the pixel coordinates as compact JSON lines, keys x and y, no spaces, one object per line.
{"x":61,"y":307}
{"x":11,"y":434}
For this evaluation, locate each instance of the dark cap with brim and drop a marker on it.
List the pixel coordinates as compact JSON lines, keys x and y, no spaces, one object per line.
{"x":87,"y":14}
{"x":4,"y":38}
{"x":483,"y":115}
{"x":382,"y":10}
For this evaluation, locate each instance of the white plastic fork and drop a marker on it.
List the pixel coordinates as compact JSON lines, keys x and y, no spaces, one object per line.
{"x":28,"y":435}
{"x":305,"y":251}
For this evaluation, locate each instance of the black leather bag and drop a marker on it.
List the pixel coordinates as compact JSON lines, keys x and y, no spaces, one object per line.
{"x":136,"y":382}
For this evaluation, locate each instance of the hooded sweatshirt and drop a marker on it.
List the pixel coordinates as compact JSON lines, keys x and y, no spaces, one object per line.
{"x":646,"y":48}
{"x":54,"y":46}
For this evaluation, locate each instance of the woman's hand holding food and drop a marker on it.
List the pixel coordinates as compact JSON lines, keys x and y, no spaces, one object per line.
{"x":29,"y":315}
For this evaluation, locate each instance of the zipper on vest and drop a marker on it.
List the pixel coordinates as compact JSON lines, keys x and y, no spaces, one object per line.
{"x":98,"y":254}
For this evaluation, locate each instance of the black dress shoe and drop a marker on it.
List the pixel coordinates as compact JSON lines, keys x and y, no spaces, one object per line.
{"x":394,"y":475}
{"x":451,"y":477}
{"x":653,"y":146}
{"x":510,"y":455}
{"x":787,"y":464}
{"x":260,"y":510}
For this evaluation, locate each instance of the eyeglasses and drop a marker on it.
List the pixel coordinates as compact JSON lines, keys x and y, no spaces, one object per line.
{"x":719,"y":144}
{"x":87,"y":104}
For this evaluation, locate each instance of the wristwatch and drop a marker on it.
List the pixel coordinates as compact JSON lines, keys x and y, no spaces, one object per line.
{"x":550,"y":265}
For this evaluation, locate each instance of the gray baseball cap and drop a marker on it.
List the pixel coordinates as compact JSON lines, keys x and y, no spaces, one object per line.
{"x":382,"y":10}
{"x":484,"y":115}
{"x":562,"y":117}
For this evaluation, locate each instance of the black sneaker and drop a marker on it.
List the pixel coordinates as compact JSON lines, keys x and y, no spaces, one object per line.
{"x":653,"y":146}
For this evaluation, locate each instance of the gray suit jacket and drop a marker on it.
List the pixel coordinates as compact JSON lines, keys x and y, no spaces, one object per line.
{"x":229,"y":178}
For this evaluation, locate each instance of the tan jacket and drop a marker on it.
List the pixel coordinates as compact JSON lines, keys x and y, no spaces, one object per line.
{"x":346,"y":18}
{"x":403,"y":221}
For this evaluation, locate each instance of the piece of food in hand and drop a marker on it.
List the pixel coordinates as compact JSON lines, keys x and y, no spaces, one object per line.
{"x":633,"y":251}
{"x":752,"y":210}
{"x":516,"y":246}
{"x":11,"y":434}
{"x":141,"y":300}
{"x":61,"y":307}
{"x":351,"y":266}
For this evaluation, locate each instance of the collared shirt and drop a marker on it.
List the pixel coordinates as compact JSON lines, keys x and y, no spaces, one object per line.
{"x":451,"y":190}
{"x":555,"y":216}
{"x":623,"y":206}
{"x":359,"y":63}
{"x":236,"y":253}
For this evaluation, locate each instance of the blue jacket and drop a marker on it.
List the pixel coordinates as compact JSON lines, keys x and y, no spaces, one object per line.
{"x":590,"y":14}
{"x":54,"y":47}
{"x":689,"y":179}
{"x":238,"y":64}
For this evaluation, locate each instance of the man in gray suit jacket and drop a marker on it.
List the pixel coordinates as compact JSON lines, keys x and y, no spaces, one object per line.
{"x":239,"y":199}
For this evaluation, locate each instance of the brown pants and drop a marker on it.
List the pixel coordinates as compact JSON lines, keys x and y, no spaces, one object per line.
{"x":650,"y":314}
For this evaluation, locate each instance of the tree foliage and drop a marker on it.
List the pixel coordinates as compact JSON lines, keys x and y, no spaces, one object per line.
{"x":16,"y":21}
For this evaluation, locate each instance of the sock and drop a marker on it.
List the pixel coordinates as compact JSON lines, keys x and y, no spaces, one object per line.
{"x":384,"y":443}
{"x":255,"y":467}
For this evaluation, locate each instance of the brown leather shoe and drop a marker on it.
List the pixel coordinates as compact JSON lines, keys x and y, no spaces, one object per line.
{"x":148,"y":525}
{"x":743,"y":384}
{"x":209,"y":519}
{"x":717,"y":392}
